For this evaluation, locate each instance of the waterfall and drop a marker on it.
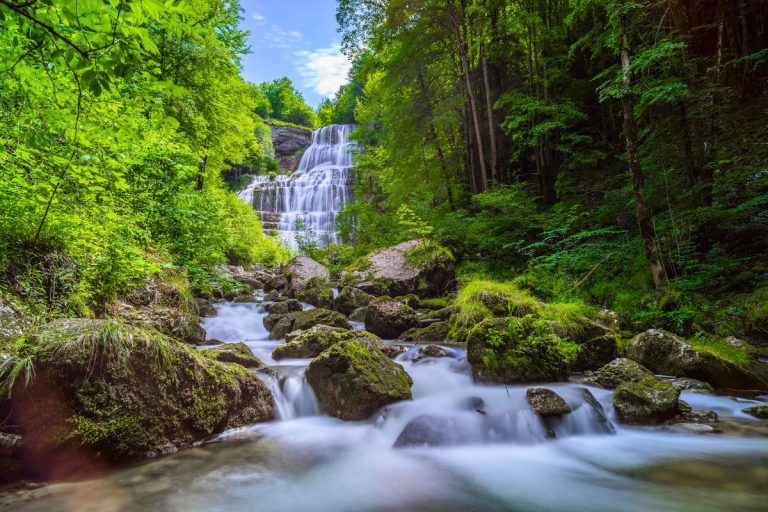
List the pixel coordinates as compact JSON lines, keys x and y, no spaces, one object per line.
{"x":314,"y":194}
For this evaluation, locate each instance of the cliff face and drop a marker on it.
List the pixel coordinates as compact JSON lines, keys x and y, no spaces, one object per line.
{"x":290,"y":143}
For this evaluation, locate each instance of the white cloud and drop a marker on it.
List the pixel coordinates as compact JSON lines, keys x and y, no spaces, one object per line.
{"x":258,"y":17}
{"x":274,"y":36}
{"x":324,"y":69}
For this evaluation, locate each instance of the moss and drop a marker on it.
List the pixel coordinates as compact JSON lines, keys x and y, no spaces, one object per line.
{"x":428,"y":253}
{"x":480,"y":300}
{"x":435,"y":303}
{"x":124,"y":433}
{"x":646,"y":401}
{"x":721,"y":349}
{"x":572,"y":317}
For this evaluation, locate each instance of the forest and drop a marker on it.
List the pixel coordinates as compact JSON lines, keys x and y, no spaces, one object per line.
{"x":522,"y":246}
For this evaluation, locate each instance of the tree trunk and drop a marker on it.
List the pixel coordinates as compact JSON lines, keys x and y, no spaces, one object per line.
{"x":491,"y":124}
{"x":642,"y":210}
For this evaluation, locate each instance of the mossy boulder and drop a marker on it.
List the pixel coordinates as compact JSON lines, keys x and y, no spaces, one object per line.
{"x":236,"y":353}
{"x":280,"y":325}
{"x":13,"y":321}
{"x":350,"y":299}
{"x":353,"y":379}
{"x":430,"y":352}
{"x":515,"y":350}
{"x":436,"y":332}
{"x":309,"y":343}
{"x":646,"y":401}
{"x":620,"y":370}
{"x":596,"y":353}
{"x":104,"y":392}
{"x":665,"y":353}
{"x":358,"y":315}
{"x":317,"y":292}
{"x":303,"y":271}
{"x":417,"y":267}
{"x":389,"y":318}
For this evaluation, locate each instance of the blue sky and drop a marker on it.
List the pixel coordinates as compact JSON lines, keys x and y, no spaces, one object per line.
{"x":297,"y":39}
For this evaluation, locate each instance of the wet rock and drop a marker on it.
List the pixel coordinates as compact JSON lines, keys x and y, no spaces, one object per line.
{"x":435,"y":332}
{"x":687,"y":414}
{"x":277,"y":283}
{"x":416,"y":267}
{"x":546,"y":402}
{"x":317,"y":292}
{"x":596,"y":353}
{"x":283,"y":307}
{"x":692,"y":385}
{"x":647,"y":401}
{"x":351,"y":299}
{"x":411,"y":300}
{"x":289,"y":144}
{"x":358,"y":315}
{"x":602,"y":419}
{"x":620,"y":370}
{"x":442,"y":314}
{"x":760,"y":411}
{"x":389,"y":318}
{"x":665,"y":353}
{"x":517,"y":350}
{"x":430,"y":351}
{"x":429,"y":430}
{"x":309,"y":343}
{"x":475,"y":403}
{"x":272,"y":296}
{"x":353,"y":379}
{"x":205,"y":307}
{"x":280,"y":325}
{"x":109,"y":392}
{"x":303,"y":269}
{"x":244,"y":298}
{"x":236,"y":353}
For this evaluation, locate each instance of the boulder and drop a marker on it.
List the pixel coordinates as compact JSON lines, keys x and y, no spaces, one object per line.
{"x":277,"y":283}
{"x":244,"y":298}
{"x":272,"y":296}
{"x":303,"y":269}
{"x":759,"y":411}
{"x":665,"y":353}
{"x":430,"y":351}
{"x":596,"y":353}
{"x":620,"y":370}
{"x":280,"y":325}
{"x":416,"y":267}
{"x":646,"y":401}
{"x":108,"y":391}
{"x":389,"y":318}
{"x":236,"y":353}
{"x":430,"y":430}
{"x":692,"y":385}
{"x":436,"y":332}
{"x":309,"y":343}
{"x":205,"y":307}
{"x":317,"y":292}
{"x":289,"y":143}
{"x":546,"y":402}
{"x":351,"y":299}
{"x":283,"y":307}
{"x":518,"y":350}
{"x":13,"y":320}
{"x":358,"y":315}
{"x":442,"y":314}
{"x":353,"y":379}
{"x":255,"y":277}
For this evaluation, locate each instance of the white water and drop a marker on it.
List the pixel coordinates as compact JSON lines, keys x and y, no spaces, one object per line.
{"x":497,"y":455}
{"x":315,"y":193}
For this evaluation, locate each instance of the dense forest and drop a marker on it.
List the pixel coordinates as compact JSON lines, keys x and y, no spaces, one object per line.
{"x":610,"y":152}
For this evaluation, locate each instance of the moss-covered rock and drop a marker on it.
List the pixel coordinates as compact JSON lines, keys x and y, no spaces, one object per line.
{"x":236,"y":353}
{"x":350,"y":299}
{"x":283,"y":307}
{"x":280,"y":325}
{"x":665,"y":353}
{"x":318,"y":292}
{"x":596,"y":353}
{"x":646,"y":401}
{"x":353,"y":379}
{"x":514,"y":350}
{"x":416,"y":267}
{"x":108,"y":391}
{"x":389,"y":318}
{"x":436,"y":332}
{"x":303,"y":272}
{"x":309,"y":343}
{"x":358,"y":315}
{"x":620,"y":370}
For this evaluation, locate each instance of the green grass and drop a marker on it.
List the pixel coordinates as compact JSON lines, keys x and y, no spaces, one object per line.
{"x":573,"y":317}
{"x":428,"y":253}
{"x":720,"y":348}
{"x":479,"y":300}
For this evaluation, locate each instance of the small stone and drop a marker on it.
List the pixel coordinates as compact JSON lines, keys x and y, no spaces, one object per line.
{"x":546,"y":402}
{"x":760,"y":411}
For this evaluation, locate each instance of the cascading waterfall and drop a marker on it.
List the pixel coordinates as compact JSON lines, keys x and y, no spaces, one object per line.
{"x":313,"y":195}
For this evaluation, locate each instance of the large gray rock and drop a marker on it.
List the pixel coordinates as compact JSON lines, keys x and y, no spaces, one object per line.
{"x":647,"y":401}
{"x":389,"y":318}
{"x":414,"y":267}
{"x":436,"y":332}
{"x":546,"y":402}
{"x":303,"y":272}
{"x":309,"y":343}
{"x":289,"y":144}
{"x":280,"y":325}
{"x":665,"y":353}
{"x":353,"y":379}
{"x":283,"y":307}
{"x":350,"y":299}
{"x":107,"y":392}
{"x":236,"y":353}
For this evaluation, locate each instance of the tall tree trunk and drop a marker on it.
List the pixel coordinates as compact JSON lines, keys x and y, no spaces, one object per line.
{"x":642,"y":210}
{"x":438,"y":148}
{"x":491,"y":123}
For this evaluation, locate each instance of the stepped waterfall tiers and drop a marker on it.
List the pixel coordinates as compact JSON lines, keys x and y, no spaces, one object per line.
{"x":310,"y":198}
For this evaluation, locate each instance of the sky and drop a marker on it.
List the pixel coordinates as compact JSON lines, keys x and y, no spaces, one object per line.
{"x":297,"y":39}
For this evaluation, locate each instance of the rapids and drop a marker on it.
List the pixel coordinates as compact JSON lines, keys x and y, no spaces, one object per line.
{"x":501,"y":458}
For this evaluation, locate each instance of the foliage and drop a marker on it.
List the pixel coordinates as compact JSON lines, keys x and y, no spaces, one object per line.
{"x":285,"y":103}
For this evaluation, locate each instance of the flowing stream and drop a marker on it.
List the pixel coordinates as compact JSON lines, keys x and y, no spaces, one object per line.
{"x":499,"y":457}
{"x":313,"y":195}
